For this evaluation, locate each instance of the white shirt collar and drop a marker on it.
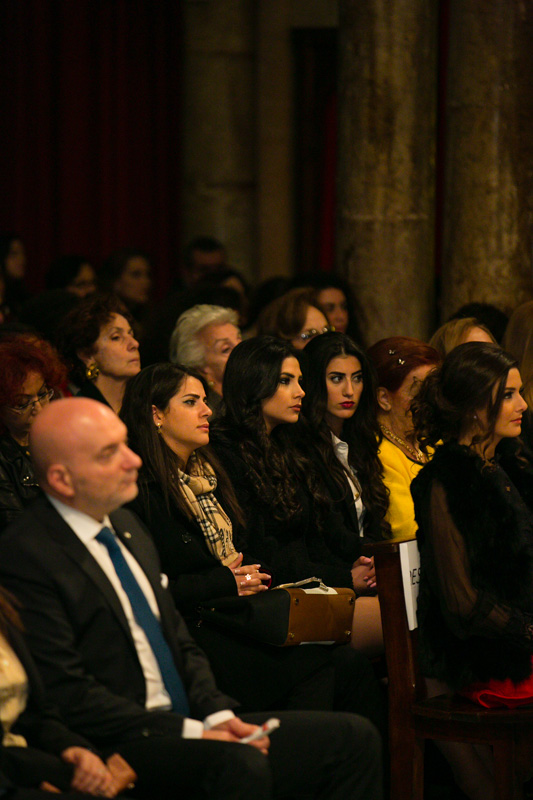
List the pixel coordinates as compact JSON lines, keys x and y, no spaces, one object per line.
{"x":82,"y":524}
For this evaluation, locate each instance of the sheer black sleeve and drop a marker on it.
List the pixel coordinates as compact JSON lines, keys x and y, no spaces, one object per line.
{"x":467,"y":611}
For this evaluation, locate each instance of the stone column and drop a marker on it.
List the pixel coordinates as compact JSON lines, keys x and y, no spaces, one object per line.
{"x":387,"y":101}
{"x":489,"y":154}
{"x":218,"y":125}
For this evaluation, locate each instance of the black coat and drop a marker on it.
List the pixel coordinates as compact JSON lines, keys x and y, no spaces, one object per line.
{"x":46,"y":734}
{"x":260,"y":676}
{"x":18,"y":484}
{"x":79,"y":635}
{"x":491,"y":507}
{"x":294,"y":549}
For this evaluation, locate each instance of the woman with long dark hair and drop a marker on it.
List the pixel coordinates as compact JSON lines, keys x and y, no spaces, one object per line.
{"x":291,"y":523}
{"x":254,"y":441}
{"x":340,"y":407}
{"x":342,"y":439}
{"x":474,"y":508}
{"x":168,"y":418}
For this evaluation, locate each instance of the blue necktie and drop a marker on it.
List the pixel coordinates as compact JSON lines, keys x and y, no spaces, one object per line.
{"x":148,"y":622}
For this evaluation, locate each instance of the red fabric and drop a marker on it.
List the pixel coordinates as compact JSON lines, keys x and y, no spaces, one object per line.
{"x":89,"y":140}
{"x":498,"y":694}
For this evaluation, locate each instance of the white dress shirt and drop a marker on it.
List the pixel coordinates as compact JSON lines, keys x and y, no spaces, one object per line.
{"x":86,"y":529}
{"x":341,"y":451}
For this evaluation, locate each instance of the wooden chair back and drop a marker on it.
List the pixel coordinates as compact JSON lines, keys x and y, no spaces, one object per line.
{"x":412,"y":718}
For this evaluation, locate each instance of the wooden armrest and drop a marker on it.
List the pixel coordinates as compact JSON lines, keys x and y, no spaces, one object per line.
{"x":386,"y":546}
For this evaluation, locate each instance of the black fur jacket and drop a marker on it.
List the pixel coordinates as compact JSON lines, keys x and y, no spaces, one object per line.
{"x":491,"y":506}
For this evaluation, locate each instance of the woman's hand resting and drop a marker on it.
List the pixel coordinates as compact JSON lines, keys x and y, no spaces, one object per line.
{"x":363,"y":575}
{"x":248,"y":578}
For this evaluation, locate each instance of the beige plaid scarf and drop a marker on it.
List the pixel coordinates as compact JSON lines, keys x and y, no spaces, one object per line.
{"x":198,"y":487}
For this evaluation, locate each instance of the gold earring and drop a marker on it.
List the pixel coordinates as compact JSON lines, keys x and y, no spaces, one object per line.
{"x":92,"y":372}
{"x":158,"y":426}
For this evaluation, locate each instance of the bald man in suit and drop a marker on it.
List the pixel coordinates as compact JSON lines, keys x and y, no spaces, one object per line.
{"x":144,"y":688}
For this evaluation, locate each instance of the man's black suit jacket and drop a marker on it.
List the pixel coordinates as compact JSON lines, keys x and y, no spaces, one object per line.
{"x":79,"y":635}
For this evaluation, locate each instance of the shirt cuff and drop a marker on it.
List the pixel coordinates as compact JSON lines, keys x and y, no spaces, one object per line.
{"x":215,"y":719}
{"x":192,"y":729}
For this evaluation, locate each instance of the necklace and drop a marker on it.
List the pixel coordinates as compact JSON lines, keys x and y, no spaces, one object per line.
{"x":416,"y":453}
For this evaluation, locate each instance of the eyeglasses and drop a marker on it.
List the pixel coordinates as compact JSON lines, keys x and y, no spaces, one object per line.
{"x":43,"y":397}
{"x":312,"y":332}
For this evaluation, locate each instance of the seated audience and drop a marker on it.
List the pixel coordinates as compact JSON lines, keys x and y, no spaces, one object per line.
{"x":43,"y":313}
{"x":340,"y":407}
{"x":285,"y":507}
{"x":263,"y":295}
{"x":401,"y":364}
{"x":127,"y":273}
{"x":13,"y":267}
{"x":203,"y":258}
{"x":475,"y":517}
{"x":117,"y":657}
{"x":492,"y":317}
{"x":30,"y":370}
{"x":518,"y":341}
{"x":167,"y":417}
{"x":229,"y":278}
{"x":203,"y":339}
{"x":333,"y":297}
{"x":293,"y":317}
{"x":459,"y":331}
{"x":98,"y":344}
{"x":73,"y":273}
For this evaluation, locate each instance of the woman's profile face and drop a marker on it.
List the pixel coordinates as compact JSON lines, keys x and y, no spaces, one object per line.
{"x":344,"y":384}
{"x":285,"y":404}
{"x":509,"y":420}
{"x":134,"y":283}
{"x":218,"y":341}
{"x":184,"y":424}
{"x":84,"y":283}
{"x":116,"y":351}
{"x":15,"y":263}
{"x":395,"y":407}
{"x":334,"y":303}
{"x":315,"y":324}
{"x":33,"y":395}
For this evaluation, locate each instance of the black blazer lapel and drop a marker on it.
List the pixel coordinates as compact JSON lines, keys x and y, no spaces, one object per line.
{"x":138,"y":541}
{"x":61,"y":533}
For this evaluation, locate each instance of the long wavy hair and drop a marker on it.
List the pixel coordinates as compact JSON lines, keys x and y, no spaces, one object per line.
{"x":450,"y":396}
{"x":275,"y":465}
{"x":361,"y":431}
{"x":156,"y":385}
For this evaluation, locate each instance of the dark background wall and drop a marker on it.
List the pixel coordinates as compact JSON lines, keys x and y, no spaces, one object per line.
{"x":90,"y":134}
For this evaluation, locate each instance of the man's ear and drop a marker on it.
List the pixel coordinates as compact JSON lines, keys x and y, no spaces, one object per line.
{"x":58,"y":479}
{"x":383,"y":398}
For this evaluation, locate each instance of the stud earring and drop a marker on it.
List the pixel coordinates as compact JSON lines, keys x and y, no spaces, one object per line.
{"x":92,"y":371}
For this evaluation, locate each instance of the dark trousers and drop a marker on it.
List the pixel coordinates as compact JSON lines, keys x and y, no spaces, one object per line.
{"x":331,"y":756}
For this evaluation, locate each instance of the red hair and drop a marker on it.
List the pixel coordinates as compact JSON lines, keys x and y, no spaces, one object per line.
{"x":20,"y":355}
{"x":394,"y":358}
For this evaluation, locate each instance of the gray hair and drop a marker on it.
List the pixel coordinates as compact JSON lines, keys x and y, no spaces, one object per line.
{"x":185,"y":346}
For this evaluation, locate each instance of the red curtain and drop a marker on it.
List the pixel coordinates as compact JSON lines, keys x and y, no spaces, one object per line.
{"x":89,"y":141}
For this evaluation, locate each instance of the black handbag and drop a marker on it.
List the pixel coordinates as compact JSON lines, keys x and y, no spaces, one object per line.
{"x":286,"y":615}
